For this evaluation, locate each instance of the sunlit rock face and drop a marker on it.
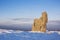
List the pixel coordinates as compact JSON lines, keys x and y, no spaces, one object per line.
{"x":40,"y":23}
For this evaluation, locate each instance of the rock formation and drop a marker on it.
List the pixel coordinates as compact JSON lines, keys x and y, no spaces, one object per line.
{"x":40,"y":23}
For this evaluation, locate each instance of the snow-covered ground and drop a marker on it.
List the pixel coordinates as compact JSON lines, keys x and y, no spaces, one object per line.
{"x":18,"y":31}
{"x":28,"y":35}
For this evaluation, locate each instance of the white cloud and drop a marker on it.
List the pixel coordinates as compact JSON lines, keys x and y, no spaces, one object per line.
{"x":17,"y":21}
{"x":26,"y":21}
{"x":54,"y":22}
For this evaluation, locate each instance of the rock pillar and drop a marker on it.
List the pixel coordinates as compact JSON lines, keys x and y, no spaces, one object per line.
{"x":40,"y":23}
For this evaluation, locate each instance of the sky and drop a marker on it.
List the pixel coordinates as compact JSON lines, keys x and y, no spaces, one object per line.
{"x":16,"y":9}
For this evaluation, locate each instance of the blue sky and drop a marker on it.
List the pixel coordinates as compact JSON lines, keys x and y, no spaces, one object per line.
{"x":29,"y":9}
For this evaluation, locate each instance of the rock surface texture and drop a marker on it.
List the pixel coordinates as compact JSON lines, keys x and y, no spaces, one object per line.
{"x":40,"y":23}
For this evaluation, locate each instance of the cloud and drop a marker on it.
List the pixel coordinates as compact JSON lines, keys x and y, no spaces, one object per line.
{"x":18,"y":21}
{"x":27,"y":21}
{"x":23,"y":20}
{"x":26,"y":24}
{"x":54,"y":22}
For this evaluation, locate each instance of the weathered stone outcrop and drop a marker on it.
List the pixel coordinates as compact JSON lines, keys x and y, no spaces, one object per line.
{"x":40,"y":24}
